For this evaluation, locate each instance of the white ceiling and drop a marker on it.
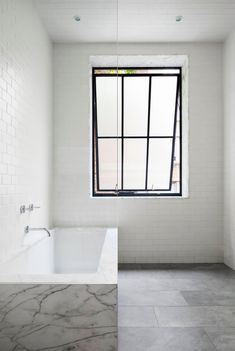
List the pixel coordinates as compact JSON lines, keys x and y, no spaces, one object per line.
{"x":138,"y":20}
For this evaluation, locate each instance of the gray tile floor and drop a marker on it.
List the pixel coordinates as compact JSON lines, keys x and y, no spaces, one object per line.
{"x":176,"y":308}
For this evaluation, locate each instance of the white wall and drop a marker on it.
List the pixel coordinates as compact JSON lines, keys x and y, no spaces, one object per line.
{"x":229,"y":150}
{"x":150,"y":230}
{"x":25,"y":121}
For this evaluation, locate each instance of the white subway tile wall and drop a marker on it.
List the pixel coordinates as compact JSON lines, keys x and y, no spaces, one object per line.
{"x":150,"y":230}
{"x":25,"y":121}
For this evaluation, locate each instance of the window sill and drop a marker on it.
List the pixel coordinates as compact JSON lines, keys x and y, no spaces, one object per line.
{"x":183,"y":197}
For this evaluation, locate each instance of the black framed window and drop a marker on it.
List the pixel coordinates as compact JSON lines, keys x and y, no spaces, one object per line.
{"x":137,"y":131}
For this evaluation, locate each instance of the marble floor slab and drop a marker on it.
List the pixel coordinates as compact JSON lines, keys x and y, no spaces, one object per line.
{"x":209,"y":298}
{"x":194,"y":307}
{"x":136,"y":316}
{"x":222,"y":338}
{"x":201,"y":271}
{"x":167,"y":284}
{"x":183,"y":271}
{"x":225,"y":284}
{"x":152,"y":298}
{"x":164,"y":339}
{"x":127,"y":271}
{"x":192,"y":316}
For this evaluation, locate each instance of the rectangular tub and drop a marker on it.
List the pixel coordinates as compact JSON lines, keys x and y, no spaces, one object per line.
{"x":60,"y":293}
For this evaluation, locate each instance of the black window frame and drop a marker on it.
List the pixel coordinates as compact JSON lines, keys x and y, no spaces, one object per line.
{"x":96,"y":191}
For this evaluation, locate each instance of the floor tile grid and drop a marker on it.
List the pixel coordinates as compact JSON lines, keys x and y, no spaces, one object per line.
{"x":218,"y":277}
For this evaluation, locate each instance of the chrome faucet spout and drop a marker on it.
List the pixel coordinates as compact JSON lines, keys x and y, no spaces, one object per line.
{"x":28,"y":229}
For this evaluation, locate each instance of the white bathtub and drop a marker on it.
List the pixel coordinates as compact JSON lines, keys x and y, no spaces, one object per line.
{"x":70,"y":255}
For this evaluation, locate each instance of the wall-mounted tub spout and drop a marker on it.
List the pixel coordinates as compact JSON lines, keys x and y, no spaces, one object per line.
{"x":28,"y":229}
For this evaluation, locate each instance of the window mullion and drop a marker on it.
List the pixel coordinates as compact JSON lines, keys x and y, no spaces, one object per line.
{"x":148,"y":128}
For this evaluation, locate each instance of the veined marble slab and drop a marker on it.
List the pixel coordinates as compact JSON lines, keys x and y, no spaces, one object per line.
{"x":61,"y":317}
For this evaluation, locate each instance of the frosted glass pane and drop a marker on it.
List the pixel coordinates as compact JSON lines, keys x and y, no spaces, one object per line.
{"x":176,"y":167}
{"x":159,"y":163}
{"x":134,"y":163}
{"x":162,"y":110}
{"x":136,"y":90}
{"x":177,"y":150}
{"x":108,"y":95}
{"x":109,"y":163}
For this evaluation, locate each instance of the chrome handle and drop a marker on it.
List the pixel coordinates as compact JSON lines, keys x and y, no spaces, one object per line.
{"x":32,"y":207}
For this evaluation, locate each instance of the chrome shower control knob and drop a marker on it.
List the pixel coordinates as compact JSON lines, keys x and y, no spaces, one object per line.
{"x":22,"y":209}
{"x":30,"y":208}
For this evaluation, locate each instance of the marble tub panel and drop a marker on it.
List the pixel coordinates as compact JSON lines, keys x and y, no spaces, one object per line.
{"x":58,"y":317}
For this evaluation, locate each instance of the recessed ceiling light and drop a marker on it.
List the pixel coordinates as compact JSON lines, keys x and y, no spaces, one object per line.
{"x":77,"y":18}
{"x":179,"y":18}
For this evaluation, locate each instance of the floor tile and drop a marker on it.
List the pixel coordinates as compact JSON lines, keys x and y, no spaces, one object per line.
{"x":174,"y":271}
{"x":143,"y":274}
{"x":130,"y":285}
{"x":150,"y":298}
{"x":202,"y":271}
{"x":222,"y":284}
{"x":223,"y":339}
{"x":168,"y":284}
{"x":163,"y":339}
{"x":135,"y":316}
{"x":209,"y":298}
{"x":194,"y":307}
{"x":196,"y":316}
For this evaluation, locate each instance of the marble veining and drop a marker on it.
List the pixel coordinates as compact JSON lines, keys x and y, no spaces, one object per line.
{"x":62,"y":317}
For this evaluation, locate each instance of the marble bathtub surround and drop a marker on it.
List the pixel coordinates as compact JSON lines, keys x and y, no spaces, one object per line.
{"x":58,"y":317}
{"x":60,"y":292}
